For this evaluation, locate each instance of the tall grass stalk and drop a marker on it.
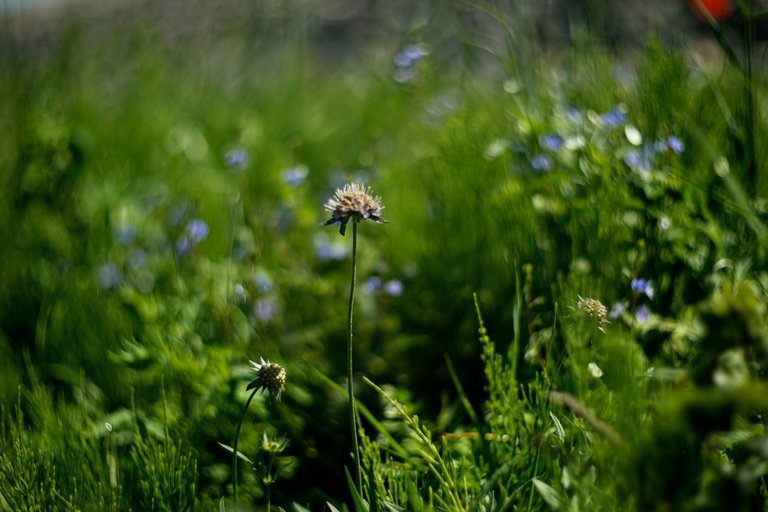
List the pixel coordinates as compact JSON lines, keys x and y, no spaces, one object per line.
{"x":351,"y":394}
{"x":237,"y":437}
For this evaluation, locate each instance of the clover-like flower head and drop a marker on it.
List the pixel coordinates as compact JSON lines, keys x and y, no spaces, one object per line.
{"x":355,"y":202}
{"x":269,"y":376}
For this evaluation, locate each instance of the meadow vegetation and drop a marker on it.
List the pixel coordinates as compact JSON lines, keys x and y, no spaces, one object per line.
{"x":566,"y":310}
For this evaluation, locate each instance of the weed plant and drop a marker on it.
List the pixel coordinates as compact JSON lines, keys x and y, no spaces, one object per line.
{"x":594,"y":215}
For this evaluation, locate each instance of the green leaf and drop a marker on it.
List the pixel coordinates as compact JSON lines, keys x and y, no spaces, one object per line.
{"x":548,"y":493}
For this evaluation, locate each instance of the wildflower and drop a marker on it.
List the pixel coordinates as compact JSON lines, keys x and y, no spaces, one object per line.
{"x":616,"y":310}
{"x":136,"y":258}
{"x":612,"y":118}
{"x":542,"y":163}
{"x":660,"y":146}
{"x":124,"y":234}
{"x":108,"y":275}
{"x":594,"y":309}
{"x":269,"y":376}
{"x":295,"y":176}
{"x":595,"y":370}
{"x":633,"y":135}
{"x":718,"y":10}
{"x":355,"y":202}
{"x":197,"y":230}
{"x":675,"y":144}
{"x":184,"y":245}
{"x":371,"y":284}
{"x":410,"y":55}
{"x":262,"y":282}
{"x":642,"y":286}
{"x":642,"y":314}
{"x":551,"y":141}
{"x":264,"y":309}
{"x":393,"y":288}
{"x":237,"y":159}
{"x":573,"y":114}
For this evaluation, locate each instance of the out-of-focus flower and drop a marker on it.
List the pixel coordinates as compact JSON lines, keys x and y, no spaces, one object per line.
{"x":551,"y":141}
{"x":184,"y":245}
{"x":269,"y":376}
{"x":718,"y":10}
{"x":642,"y":286}
{"x":410,"y":55}
{"x":136,"y":258}
{"x":595,"y":370}
{"x":237,"y":159}
{"x":371,"y":284}
{"x":573,"y":114}
{"x":616,"y":310}
{"x":326,"y":250}
{"x":354,"y":202}
{"x":542,"y":163}
{"x":124,"y":234}
{"x":642,"y":314}
{"x":633,"y":135}
{"x":108,"y":275}
{"x":262,"y":282}
{"x":612,"y":118}
{"x":197,"y":230}
{"x":393,"y":288}
{"x":594,"y":309}
{"x":295,"y":176}
{"x":264,"y":309}
{"x":675,"y":144}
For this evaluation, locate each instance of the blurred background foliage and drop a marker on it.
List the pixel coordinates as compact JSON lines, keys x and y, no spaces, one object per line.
{"x":164,"y":170}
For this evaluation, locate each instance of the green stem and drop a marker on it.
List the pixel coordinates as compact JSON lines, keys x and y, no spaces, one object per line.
{"x":352,"y":412}
{"x":237,"y":437}
{"x":749,"y":41}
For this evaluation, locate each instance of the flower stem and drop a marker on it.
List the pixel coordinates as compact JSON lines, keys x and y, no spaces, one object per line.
{"x":350,"y":391}
{"x":237,"y":437}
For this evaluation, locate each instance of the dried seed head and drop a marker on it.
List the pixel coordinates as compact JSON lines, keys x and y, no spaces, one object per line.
{"x":594,"y":309}
{"x":269,"y":376}
{"x":353,"y":201}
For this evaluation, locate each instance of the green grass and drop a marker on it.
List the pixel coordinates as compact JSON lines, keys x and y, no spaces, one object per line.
{"x":125,"y":334}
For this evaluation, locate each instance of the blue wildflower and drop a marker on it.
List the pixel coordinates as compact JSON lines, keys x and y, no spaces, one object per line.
{"x":124,"y":234}
{"x":642,"y":286}
{"x":184,"y":245}
{"x":324,"y":250}
{"x":197,"y":230}
{"x":573,"y":114}
{"x":144,"y":281}
{"x":676,"y":144}
{"x":108,"y":275}
{"x":542,"y":163}
{"x":551,"y":141}
{"x":264,"y":309}
{"x":372,"y":284}
{"x":410,"y":55}
{"x":642,"y":314}
{"x":237,"y":159}
{"x":616,"y":310}
{"x":393,"y":288}
{"x":612,"y":118}
{"x":660,"y":146}
{"x":294,"y":176}
{"x":262,"y":282}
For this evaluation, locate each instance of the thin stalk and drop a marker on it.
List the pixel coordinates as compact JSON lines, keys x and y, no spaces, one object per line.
{"x":237,"y":437}
{"x":749,"y":85}
{"x":352,"y":412}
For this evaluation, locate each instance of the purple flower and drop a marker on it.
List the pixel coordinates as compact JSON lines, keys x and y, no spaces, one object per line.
{"x":393,"y":288}
{"x":642,"y":286}
{"x":616,"y":310}
{"x":294,"y":176}
{"x":573,"y":114}
{"x":324,"y":250}
{"x":237,"y":159}
{"x":542,"y":163}
{"x":410,"y":55}
{"x":551,"y":141}
{"x":108,"y":275}
{"x":676,"y":144}
{"x":124,"y":234}
{"x":372,"y":284}
{"x":184,"y":245}
{"x":612,"y":118}
{"x":264,"y":309}
{"x":642,"y":313}
{"x":197,"y":230}
{"x":262,"y":282}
